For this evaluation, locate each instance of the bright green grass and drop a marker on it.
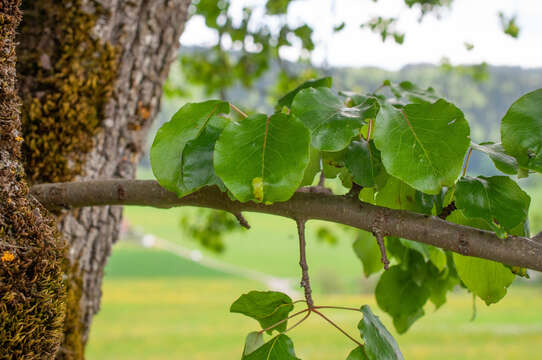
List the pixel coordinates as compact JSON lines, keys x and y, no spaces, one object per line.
{"x":270,"y":246}
{"x":188,"y":319}
{"x":129,"y":261}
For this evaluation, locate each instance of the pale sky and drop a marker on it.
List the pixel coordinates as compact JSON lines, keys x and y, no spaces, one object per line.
{"x":473,"y":21}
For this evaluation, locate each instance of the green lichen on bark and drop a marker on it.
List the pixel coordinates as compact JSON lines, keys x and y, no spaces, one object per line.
{"x":67,"y":76}
{"x":32,"y":289}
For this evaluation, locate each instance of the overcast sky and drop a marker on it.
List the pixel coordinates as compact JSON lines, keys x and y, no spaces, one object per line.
{"x":473,"y":21}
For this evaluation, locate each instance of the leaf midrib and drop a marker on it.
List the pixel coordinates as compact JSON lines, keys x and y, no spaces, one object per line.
{"x":419,"y":142}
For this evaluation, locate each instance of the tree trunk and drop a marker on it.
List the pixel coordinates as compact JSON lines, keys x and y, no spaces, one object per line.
{"x":92,"y":75}
{"x":32,"y":291}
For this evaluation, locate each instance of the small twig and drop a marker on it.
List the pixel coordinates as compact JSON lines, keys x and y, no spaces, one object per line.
{"x":538,"y":237}
{"x":338,"y":327}
{"x":467,"y":162}
{"x":305,"y":280}
{"x":337,"y":307}
{"x":239,"y":111}
{"x":300,"y":301}
{"x":322,"y":179}
{"x":354,"y":190}
{"x":283,"y":320}
{"x":380,"y":239}
{"x":241,"y":219}
{"x":299,"y":322}
{"x":447,"y":210}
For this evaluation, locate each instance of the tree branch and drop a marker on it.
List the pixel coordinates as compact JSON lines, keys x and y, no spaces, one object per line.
{"x":305,"y":279}
{"x":514,"y":250}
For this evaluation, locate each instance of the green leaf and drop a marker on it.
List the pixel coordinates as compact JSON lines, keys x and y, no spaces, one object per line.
{"x":357,"y":354}
{"x":485,"y":278}
{"x":280,"y":347}
{"x":197,"y":168}
{"x":313,"y":168}
{"x":263,"y":158}
{"x":379,"y":343}
{"x":412,"y":92}
{"x":267,"y":307}
{"x":276,"y":7}
{"x":331,"y":123}
{"x":397,"y":195}
{"x":363,"y":160}
{"x":497,"y":199}
{"x":367,"y":250}
{"x":253,"y":342}
{"x":504,"y":162}
{"x":304,"y":33}
{"x":521,"y":131}
{"x":403,"y":322}
{"x":168,"y":149}
{"x":479,"y":275}
{"x":436,"y":255}
{"x":287,"y":99}
{"x":423,"y":144}
{"x":399,"y":295}
{"x":440,"y":287}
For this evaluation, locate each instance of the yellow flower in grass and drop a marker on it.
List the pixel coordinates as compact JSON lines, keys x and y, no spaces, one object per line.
{"x":7,"y":257}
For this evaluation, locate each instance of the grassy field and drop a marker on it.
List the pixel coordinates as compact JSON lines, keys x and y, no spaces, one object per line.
{"x":159,"y":306}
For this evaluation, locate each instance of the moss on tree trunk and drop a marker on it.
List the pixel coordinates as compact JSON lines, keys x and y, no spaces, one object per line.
{"x":32,"y":290}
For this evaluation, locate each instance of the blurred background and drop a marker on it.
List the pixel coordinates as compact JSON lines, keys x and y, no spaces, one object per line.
{"x":172,"y":277}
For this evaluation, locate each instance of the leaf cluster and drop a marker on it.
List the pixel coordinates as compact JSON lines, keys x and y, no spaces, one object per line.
{"x":409,"y":151}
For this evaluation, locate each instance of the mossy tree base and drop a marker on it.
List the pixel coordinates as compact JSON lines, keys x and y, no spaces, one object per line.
{"x":32,"y":290}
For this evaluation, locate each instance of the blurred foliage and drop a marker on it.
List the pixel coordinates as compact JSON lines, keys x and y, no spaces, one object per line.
{"x":243,"y":50}
{"x":209,"y":227}
{"x":385,"y":27}
{"x":509,"y":25}
{"x":245,"y":47}
{"x":477,"y":72}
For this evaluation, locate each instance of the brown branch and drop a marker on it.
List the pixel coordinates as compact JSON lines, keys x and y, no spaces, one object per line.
{"x":514,"y":250}
{"x":338,"y":327}
{"x":538,"y":237}
{"x":241,"y":219}
{"x":284,"y":320}
{"x":447,"y":210}
{"x":305,"y":280}
{"x":380,"y":240}
{"x":299,"y":322}
{"x":354,"y":190}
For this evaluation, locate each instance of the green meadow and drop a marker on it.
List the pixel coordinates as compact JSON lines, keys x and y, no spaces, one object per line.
{"x":157,"y":305}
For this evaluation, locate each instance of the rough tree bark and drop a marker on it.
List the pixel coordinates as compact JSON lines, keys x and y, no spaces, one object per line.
{"x":91,"y":80}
